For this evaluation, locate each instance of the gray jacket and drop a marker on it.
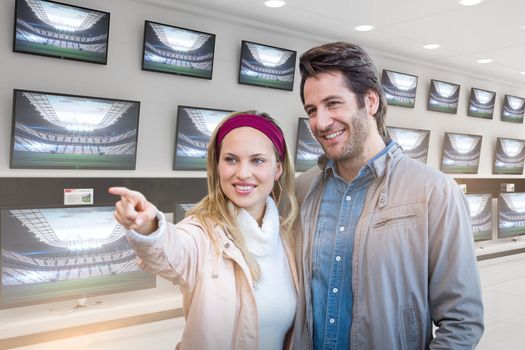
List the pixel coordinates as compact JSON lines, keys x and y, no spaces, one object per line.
{"x":413,"y":261}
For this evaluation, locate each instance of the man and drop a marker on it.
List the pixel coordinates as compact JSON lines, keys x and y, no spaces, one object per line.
{"x":386,"y":243}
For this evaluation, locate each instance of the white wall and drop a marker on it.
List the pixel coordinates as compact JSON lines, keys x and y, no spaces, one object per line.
{"x":160,"y":94}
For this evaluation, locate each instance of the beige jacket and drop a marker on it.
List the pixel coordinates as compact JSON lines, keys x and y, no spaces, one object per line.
{"x":217,"y":287}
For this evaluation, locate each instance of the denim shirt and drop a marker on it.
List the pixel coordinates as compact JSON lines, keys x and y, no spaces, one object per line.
{"x":341,"y":207}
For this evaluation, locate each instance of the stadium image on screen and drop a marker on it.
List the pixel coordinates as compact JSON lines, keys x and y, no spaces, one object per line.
{"x":55,"y":131}
{"x":400,"y":89}
{"x":480,"y":206}
{"x":481,"y":103}
{"x":511,"y":214}
{"x":307,"y":148}
{"x":169,"y":49}
{"x":461,"y":153}
{"x":267,"y":66}
{"x":509,"y":157}
{"x":51,"y":254}
{"x":513,"y":109}
{"x":53,"y":29}
{"x":443,"y":97}
{"x":414,"y":142}
{"x":180,"y":210}
{"x":194,"y":128}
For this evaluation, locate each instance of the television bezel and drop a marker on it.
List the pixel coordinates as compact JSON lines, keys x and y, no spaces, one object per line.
{"x":243,"y":46}
{"x":495,"y":152}
{"x":430,"y":91}
{"x":175,"y":73}
{"x":59,"y":56}
{"x":443,"y":153}
{"x":150,"y":284}
{"x":503,"y":108}
{"x":498,"y":213}
{"x":13,"y":121}
{"x":297,"y":145}
{"x":177,"y":135}
{"x":470,"y":101}
{"x":393,"y":71}
{"x":414,"y":129}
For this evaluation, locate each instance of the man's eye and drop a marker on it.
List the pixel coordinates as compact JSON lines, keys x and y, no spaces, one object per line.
{"x":332,"y":103}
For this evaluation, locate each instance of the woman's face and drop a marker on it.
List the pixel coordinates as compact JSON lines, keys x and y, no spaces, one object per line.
{"x":247,"y":169}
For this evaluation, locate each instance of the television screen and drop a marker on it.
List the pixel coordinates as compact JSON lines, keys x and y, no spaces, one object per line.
{"x":181,"y":209}
{"x":480,"y":206}
{"x":510,"y":155}
{"x":267,"y":66}
{"x":51,"y":254}
{"x":461,"y":153}
{"x":194,"y":128}
{"x":175,"y":50}
{"x":513,"y":109}
{"x":443,"y":97}
{"x":400,"y":88}
{"x":511,"y":214}
{"x":73,"y":132}
{"x":481,"y":103}
{"x":414,"y":142}
{"x":54,"y":29}
{"x":307,"y":148}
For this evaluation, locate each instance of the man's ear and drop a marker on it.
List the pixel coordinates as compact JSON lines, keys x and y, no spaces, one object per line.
{"x":371,"y":102}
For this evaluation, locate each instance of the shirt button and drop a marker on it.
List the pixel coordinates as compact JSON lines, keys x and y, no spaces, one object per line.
{"x":332,"y":321}
{"x":348,"y":198}
{"x":338,"y":258}
{"x":334,"y":290}
{"x":226,"y":245}
{"x":342,"y":228}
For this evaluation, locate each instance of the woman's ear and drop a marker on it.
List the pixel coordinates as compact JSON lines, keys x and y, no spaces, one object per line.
{"x":278,"y":171}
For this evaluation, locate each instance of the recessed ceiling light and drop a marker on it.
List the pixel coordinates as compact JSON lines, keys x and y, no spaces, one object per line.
{"x":484,"y":60}
{"x":522,"y":73}
{"x":470,"y":2}
{"x":364,"y":28}
{"x":275,"y":3}
{"x":431,"y":46}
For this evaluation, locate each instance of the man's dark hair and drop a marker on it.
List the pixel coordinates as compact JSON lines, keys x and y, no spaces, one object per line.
{"x":358,"y":70}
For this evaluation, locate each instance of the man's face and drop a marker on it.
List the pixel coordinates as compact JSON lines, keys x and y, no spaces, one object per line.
{"x":340,"y":126}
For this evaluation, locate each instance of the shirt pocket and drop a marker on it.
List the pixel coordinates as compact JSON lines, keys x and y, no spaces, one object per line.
{"x":318,"y":240}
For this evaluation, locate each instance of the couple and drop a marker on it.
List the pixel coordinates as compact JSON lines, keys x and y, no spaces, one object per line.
{"x":381,"y":249}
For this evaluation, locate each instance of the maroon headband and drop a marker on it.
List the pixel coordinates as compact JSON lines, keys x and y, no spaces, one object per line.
{"x":257,"y":122}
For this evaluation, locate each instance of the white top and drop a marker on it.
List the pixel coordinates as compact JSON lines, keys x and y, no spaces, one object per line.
{"x":274,"y":292}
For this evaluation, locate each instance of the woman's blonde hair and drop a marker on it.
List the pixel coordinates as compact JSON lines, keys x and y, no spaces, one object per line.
{"x":213,"y":209}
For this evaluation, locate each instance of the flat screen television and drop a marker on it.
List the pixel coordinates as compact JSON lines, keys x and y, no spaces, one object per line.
{"x":180,"y":210}
{"x":50,"y":28}
{"x":59,"y":131}
{"x":509,"y":157}
{"x":399,"y":88}
{"x":175,"y":50}
{"x":443,"y":97}
{"x":513,"y":109}
{"x":194,"y":128}
{"x":480,"y":206}
{"x":481,"y":103}
{"x":51,"y":254}
{"x":511,"y":213}
{"x":307,"y":149}
{"x":461,"y":153}
{"x":414,"y":142}
{"x":267,"y":66}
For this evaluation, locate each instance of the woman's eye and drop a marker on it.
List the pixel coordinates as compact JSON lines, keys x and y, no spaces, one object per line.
{"x":258,"y":160}
{"x":229,"y":160}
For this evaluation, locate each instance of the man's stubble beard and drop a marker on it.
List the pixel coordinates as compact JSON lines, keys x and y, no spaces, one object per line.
{"x":357,"y":136}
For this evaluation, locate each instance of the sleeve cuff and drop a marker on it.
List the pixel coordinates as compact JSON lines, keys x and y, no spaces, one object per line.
{"x":153,"y":237}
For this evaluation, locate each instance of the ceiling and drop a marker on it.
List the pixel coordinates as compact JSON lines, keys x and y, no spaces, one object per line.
{"x":493,"y":29}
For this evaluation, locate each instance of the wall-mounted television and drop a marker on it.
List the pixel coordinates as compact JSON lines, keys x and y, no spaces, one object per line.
{"x":399,"y":88}
{"x":181,"y":51}
{"x":509,"y":157}
{"x":480,"y":206}
{"x":443,"y":97}
{"x":267,"y":66}
{"x":59,"y":131}
{"x":180,"y":210}
{"x":481,"y":103}
{"x":461,"y":153}
{"x":513,"y":109}
{"x":54,"y":29}
{"x":511,"y":211}
{"x":307,"y":149}
{"x":51,"y":254}
{"x":194,"y":128}
{"x":414,"y":142}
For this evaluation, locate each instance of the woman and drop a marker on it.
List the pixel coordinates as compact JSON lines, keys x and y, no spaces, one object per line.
{"x":232,"y":255}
